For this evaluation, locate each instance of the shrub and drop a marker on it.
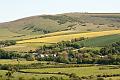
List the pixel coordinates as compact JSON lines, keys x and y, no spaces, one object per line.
{"x":100,"y":78}
{"x":21,"y":78}
{"x":30,"y":58}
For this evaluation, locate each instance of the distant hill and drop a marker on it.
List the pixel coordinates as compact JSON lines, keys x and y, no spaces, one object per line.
{"x":43,"y":24}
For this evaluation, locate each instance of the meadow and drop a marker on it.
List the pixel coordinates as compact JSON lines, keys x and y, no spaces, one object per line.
{"x":28,"y":76}
{"x":14,"y":61}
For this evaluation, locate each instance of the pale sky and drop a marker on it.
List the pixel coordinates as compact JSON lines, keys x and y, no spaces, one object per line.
{"x":16,"y":9}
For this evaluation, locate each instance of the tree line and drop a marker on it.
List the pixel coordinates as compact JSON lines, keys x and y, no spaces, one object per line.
{"x":8,"y":54}
{"x":7,"y":43}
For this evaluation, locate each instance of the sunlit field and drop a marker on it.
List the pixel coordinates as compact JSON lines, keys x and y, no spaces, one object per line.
{"x":55,"y":39}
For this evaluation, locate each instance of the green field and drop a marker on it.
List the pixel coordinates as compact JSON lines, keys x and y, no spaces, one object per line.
{"x":101,"y":41}
{"x":28,"y":76}
{"x":14,"y":61}
{"x":22,"y":62}
{"x":80,"y":71}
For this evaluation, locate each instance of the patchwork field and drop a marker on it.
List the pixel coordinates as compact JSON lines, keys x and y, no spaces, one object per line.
{"x":100,"y":31}
{"x":55,"y":39}
{"x":80,"y":71}
{"x":95,"y":39}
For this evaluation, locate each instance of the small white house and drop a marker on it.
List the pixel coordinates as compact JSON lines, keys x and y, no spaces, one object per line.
{"x":41,"y":55}
{"x":54,"y":55}
{"x":35,"y":53}
{"x":46,"y":55}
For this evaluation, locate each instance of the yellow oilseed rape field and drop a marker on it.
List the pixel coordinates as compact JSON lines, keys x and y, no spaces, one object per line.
{"x":55,"y":39}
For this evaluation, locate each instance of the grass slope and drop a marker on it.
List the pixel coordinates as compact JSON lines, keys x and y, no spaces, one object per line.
{"x":80,"y":22}
{"x":101,"y":41}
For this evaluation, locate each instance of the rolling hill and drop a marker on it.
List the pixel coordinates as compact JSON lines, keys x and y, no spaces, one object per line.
{"x":35,"y":31}
{"x":44,"y":24}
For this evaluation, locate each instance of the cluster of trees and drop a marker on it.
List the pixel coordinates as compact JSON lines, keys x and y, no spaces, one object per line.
{"x":7,"y":43}
{"x":40,"y":30}
{"x":86,"y":58}
{"x":64,"y":45}
{"x":69,"y":52}
{"x":111,"y":49}
{"x":29,"y":57}
{"x":53,"y":78}
{"x":8,"y":55}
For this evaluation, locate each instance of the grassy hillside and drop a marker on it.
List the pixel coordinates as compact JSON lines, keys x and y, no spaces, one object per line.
{"x":35,"y":31}
{"x":79,"y":22}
